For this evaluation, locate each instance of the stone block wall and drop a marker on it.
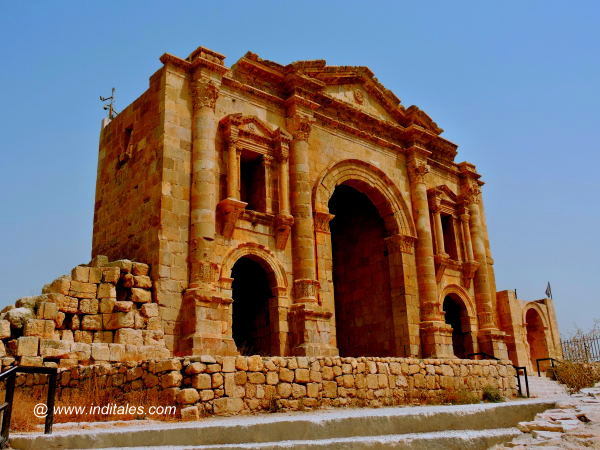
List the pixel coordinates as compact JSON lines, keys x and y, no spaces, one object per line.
{"x":103,"y":311}
{"x":205,"y":385}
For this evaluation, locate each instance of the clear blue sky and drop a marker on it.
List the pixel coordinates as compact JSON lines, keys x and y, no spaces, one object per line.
{"x":515,"y":84}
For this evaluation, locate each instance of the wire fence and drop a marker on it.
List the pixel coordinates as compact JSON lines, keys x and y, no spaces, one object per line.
{"x":583,"y":349}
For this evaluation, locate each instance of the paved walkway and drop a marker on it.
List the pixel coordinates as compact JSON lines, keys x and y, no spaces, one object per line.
{"x":573,"y":424}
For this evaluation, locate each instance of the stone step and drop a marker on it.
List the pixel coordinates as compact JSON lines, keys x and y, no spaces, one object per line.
{"x":453,"y":440}
{"x":543,"y":387}
{"x":333,"y":428}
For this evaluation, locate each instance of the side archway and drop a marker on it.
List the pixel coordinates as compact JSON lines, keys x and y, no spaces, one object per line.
{"x":536,"y":328}
{"x":459,"y":313}
{"x":257,"y":284}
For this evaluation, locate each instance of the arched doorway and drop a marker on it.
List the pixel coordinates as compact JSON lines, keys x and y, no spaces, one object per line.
{"x":251,"y":292}
{"x":361,"y":277}
{"x":536,"y":336}
{"x":457,"y":317}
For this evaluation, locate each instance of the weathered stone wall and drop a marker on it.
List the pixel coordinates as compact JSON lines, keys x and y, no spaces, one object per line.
{"x":103,"y":311}
{"x":243,"y":384}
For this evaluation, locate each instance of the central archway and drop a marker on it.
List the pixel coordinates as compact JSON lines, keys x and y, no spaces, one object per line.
{"x":361,"y":276}
{"x":251,"y":292}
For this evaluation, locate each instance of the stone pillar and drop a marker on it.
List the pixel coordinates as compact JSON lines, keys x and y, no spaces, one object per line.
{"x":206,"y":314}
{"x":491,"y":339}
{"x":437,"y":222}
{"x":303,"y":233}
{"x":284,"y":220}
{"x":436,"y":335}
{"x":466,"y":233}
{"x":204,"y":179}
{"x":233,"y":168}
{"x":268,"y":165}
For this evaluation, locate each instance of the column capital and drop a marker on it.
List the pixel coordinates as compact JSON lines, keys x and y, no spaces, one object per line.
{"x":470,"y":194}
{"x":268,"y":160}
{"x":399,"y":243}
{"x":417,"y":169}
{"x":300,"y":126}
{"x":322,"y":220}
{"x":204,"y":93}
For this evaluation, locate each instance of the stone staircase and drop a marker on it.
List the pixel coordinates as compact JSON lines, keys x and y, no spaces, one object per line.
{"x":544,"y":387}
{"x":477,"y":426}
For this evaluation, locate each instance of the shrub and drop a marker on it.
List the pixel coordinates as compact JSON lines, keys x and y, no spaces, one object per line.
{"x":492,"y":394}
{"x":577,"y":375}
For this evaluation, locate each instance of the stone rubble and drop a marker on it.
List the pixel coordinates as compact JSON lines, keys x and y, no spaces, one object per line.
{"x":573,"y":424}
{"x":102,"y":312}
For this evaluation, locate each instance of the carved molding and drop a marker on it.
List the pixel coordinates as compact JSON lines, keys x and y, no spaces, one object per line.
{"x":283,"y":226}
{"x":321,"y":221}
{"x":400,"y":244}
{"x":230,"y":210}
{"x":469,"y":269}
{"x":204,"y":94}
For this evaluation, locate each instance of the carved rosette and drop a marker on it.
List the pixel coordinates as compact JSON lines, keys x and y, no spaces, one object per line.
{"x":417,"y":170}
{"x":305,"y":291}
{"x":230,"y":210}
{"x":321,"y":221}
{"x":283,"y":226}
{"x":204,"y":94}
{"x":300,"y":127}
{"x":400,"y":244}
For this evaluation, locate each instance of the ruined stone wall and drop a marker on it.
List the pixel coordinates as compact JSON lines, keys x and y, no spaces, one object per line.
{"x":103,"y":311}
{"x":127,"y":212}
{"x":244,"y":384}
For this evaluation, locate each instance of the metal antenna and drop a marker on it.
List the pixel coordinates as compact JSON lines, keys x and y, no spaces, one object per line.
{"x":110,"y":107}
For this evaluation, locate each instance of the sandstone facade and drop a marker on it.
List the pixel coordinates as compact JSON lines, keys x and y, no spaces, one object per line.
{"x":303,"y":210}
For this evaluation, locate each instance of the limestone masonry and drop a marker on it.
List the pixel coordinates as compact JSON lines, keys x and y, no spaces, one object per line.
{"x":279,"y":210}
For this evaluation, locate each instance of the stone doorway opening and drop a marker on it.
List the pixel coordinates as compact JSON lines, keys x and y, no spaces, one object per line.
{"x":457,"y":317}
{"x":361,"y":276}
{"x":251,"y":292}
{"x":536,"y":336}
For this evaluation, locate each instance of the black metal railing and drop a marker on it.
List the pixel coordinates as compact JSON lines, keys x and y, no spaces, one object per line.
{"x":517,"y":369}
{"x":584,"y":349}
{"x":10,"y":376}
{"x":524,"y":369}
{"x":537,"y":363}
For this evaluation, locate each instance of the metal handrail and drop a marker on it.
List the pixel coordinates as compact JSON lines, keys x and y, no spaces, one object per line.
{"x":486,"y":355}
{"x":517,"y":368}
{"x":6,"y":408}
{"x":537,"y":363}
{"x":524,"y":369}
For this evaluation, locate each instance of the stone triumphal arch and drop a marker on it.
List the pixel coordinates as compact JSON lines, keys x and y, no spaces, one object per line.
{"x":302,"y":209}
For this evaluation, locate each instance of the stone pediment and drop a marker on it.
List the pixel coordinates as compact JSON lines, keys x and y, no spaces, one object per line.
{"x":357,"y":96}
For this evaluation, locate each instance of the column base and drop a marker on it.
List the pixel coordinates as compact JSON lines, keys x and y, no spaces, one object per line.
{"x":310,"y":331}
{"x":206,"y":327}
{"x":493,"y":342}
{"x":436,"y":340}
{"x":306,"y":291}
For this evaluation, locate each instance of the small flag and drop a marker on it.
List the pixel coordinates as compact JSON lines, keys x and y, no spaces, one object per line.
{"x":548,"y":291}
